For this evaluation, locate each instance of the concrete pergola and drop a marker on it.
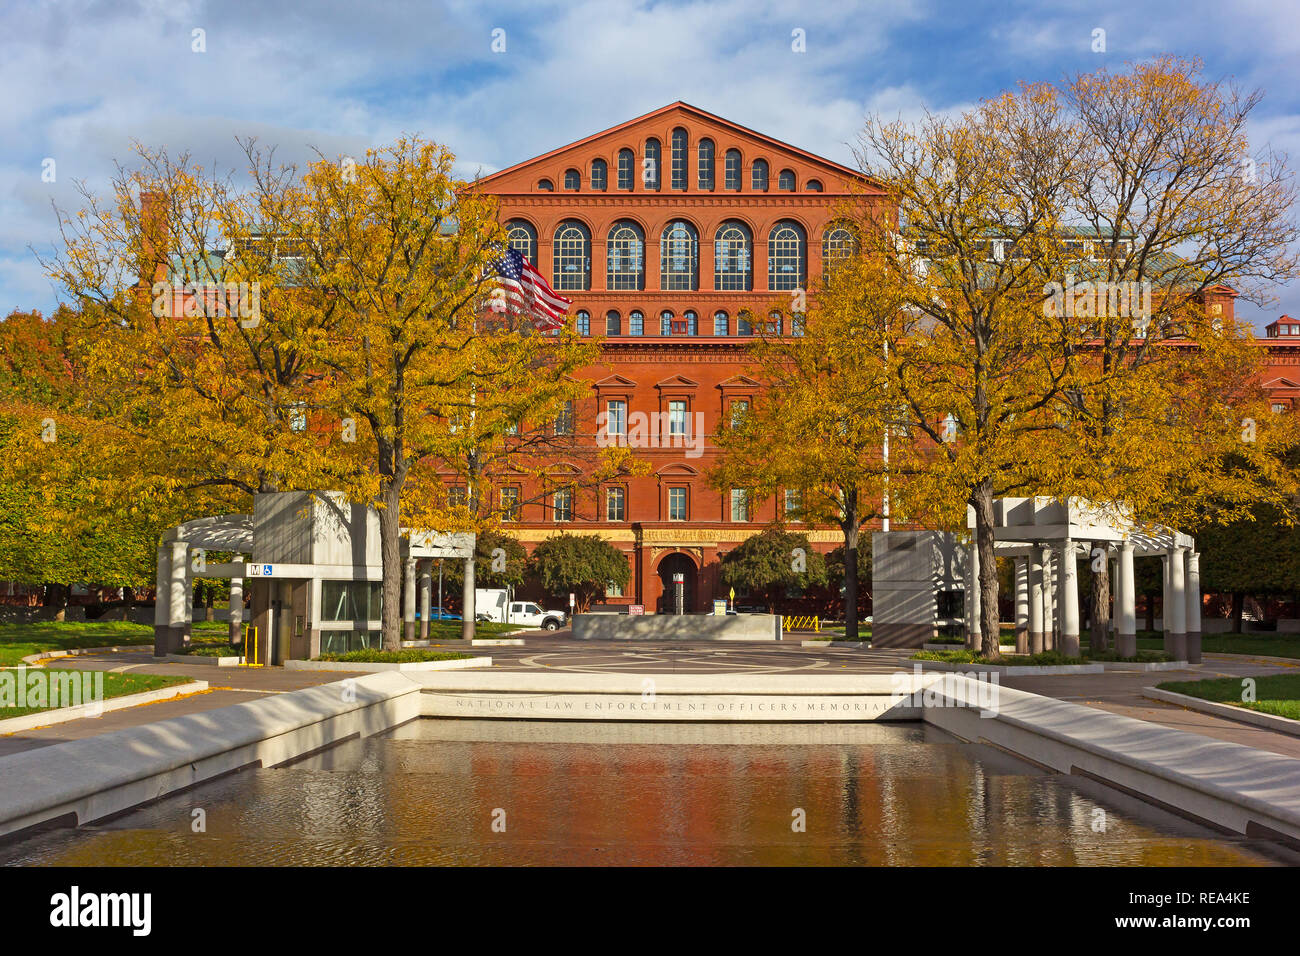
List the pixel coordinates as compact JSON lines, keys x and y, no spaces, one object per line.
{"x":280,"y":538}
{"x":1045,"y":537}
{"x":174,"y":613}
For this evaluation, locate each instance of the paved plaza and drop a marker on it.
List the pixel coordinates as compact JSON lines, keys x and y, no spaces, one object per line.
{"x":1118,"y":692}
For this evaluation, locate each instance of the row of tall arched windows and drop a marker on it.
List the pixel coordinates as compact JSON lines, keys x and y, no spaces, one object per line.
{"x":679,"y":262}
{"x":679,"y":169}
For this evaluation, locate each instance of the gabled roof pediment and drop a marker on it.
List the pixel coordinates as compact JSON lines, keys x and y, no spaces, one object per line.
{"x":677,"y":381}
{"x":738,"y":381}
{"x":1281,"y":383}
{"x":615,"y":381}
{"x":522,"y":177}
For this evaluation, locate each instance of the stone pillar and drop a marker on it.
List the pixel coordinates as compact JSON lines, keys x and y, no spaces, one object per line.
{"x":1114,"y":598}
{"x":236,"y":608}
{"x":1068,"y":644}
{"x":408,"y":599}
{"x":1193,"y":607}
{"x":1049,"y":603}
{"x":1176,"y":643}
{"x":1035,"y":561}
{"x":1126,"y":634}
{"x":162,"y":602}
{"x":426,"y":587}
{"x":1022,"y":605}
{"x":972,"y":596}
{"x":178,"y":597}
{"x":1165,"y":617}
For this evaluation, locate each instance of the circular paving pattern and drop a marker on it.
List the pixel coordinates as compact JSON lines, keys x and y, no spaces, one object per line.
{"x":587,"y":657}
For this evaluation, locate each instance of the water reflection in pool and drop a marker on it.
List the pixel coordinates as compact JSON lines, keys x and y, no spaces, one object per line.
{"x":660,"y":794}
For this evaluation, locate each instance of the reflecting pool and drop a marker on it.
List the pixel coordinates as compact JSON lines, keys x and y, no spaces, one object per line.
{"x":507,"y":792}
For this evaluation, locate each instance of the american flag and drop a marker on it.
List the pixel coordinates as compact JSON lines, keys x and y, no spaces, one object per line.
{"x":527,"y":292}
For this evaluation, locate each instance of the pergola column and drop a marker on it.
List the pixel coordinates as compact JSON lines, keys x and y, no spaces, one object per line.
{"x":1166,"y":619}
{"x":236,"y":607}
{"x":973,"y":596}
{"x":178,"y":596}
{"x":1176,"y":644}
{"x":162,"y":602}
{"x":1193,"y":607}
{"x":408,"y":599}
{"x":1069,"y":601}
{"x":1022,"y":605}
{"x":1035,"y":562}
{"x":1049,"y":602}
{"x":1113,"y":624}
{"x":426,"y":587}
{"x":1126,"y":636}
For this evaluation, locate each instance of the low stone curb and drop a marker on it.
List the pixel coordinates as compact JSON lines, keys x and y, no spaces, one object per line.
{"x":62,"y":715}
{"x":1029,"y":670}
{"x":497,"y":642}
{"x":405,"y":666}
{"x":79,"y":651}
{"x":834,"y":643}
{"x":1147,"y":665}
{"x":231,"y":661}
{"x":1284,"y":725}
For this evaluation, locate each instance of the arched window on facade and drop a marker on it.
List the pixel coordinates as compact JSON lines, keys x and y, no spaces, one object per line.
{"x":572,"y":258}
{"x":721,"y":323}
{"x":704,"y":163}
{"x":613,"y":323}
{"x":572,"y":180}
{"x":786,"y":247}
{"x":785,"y":182}
{"x":813,"y":186}
{"x":599,"y":175}
{"x":679,"y":257}
{"x":650,"y":164}
{"x":838,"y":244}
{"x":522,"y":236}
{"x":545,"y":185}
{"x":626,"y":168}
{"x":758,"y":176}
{"x":625,"y":257}
{"x":582,"y":322}
{"x":731,"y":173}
{"x":732,"y":258}
{"x":679,"y":147}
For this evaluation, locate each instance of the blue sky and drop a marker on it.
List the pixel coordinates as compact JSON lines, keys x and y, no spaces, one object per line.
{"x":82,"y":80}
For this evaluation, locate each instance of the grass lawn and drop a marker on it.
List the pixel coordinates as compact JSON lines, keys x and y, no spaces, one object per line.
{"x":1268,"y":645}
{"x":115,"y":685}
{"x":1277,"y":694}
{"x":19,"y":640}
{"x":450,"y":630}
{"x":963,"y":656}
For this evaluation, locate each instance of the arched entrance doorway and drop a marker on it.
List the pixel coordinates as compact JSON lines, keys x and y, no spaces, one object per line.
{"x":683,"y":565}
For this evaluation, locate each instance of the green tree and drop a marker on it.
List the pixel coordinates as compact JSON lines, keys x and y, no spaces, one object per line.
{"x":770,"y":562}
{"x":514,"y":564}
{"x":584,"y":564}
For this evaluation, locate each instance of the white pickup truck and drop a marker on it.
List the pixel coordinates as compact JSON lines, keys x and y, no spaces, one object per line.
{"x":530,"y":615}
{"x":492,"y":605}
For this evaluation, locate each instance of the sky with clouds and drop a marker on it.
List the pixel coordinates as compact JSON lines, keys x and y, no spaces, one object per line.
{"x":83,"y":80}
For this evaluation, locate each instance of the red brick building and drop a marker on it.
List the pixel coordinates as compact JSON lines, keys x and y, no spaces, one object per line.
{"x":661,"y":230}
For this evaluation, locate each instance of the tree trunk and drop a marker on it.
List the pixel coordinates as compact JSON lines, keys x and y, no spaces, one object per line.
{"x":467,"y":611}
{"x":390,"y":547}
{"x":128,"y":595}
{"x":1238,"y":605}
{"x":851,"y":537}
{"x":990,"y":639}
{"x":1099,"y":609}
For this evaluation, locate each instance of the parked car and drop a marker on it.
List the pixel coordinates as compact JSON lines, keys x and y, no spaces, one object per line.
{"x":439,"y":614}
